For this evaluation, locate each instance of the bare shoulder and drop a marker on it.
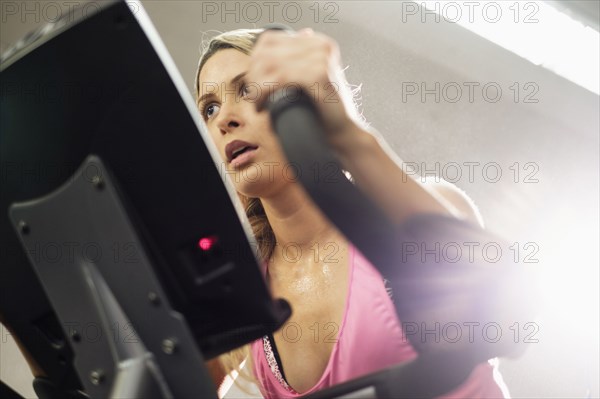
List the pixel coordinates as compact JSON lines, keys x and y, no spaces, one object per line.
{"x":456,"y":197}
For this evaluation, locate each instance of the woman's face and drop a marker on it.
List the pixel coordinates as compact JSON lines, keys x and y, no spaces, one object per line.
{"x":227,"y":107}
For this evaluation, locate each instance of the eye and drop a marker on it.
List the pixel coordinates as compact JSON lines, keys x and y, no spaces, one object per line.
{"x":245,"y":90}
{"x":208,"y":110}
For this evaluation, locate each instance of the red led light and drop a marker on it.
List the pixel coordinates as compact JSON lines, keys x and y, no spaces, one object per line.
{"x":206,"y":243}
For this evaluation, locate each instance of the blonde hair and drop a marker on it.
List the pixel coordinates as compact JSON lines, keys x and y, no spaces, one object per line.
{"x":243,"y":40}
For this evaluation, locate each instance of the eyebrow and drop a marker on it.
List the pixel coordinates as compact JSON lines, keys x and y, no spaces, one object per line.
{"x":233,"y":81}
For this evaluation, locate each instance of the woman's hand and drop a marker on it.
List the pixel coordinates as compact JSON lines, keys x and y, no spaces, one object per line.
{"x":311,"y":61}
{"x":304,"y":59}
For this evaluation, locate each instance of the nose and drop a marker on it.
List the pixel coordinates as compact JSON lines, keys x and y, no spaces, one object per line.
{"x":228,"y":120}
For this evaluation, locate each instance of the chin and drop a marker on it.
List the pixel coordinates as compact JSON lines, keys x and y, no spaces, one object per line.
{"x":253,"y":189}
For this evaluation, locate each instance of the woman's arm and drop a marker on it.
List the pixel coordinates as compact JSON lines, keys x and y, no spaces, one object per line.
{"x":378,"y":171}
{"x":312,"y":61}
{"x":457,"y":197}
{"x":216,"y":371}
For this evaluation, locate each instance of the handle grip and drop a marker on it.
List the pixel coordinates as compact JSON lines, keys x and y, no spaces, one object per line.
{"x":298,"y":123}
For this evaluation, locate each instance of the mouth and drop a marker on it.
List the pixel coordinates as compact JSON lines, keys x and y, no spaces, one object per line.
{"x":239,"y":151}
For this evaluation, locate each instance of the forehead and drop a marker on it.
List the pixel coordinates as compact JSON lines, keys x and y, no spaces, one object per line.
{"x":223,"y":66}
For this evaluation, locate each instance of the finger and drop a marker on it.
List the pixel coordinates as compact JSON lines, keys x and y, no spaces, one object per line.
{"x":270,"y":86}
{"x":306,"y":32}
{"x":270,"y":35}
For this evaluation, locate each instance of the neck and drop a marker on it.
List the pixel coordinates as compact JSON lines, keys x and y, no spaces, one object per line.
{"x":295,"y":220}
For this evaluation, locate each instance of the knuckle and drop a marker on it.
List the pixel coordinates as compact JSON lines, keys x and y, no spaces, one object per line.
{"x":270,"y":36}
{"x":326,"y":40}
{"x":332,"y":45}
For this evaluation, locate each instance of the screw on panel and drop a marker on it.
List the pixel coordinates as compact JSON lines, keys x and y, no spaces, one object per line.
{"x":23,"y":227}
{"x":97,"y":377}
{"x":169,"y":346}
{"x":98,"y":182}
{"x":153,"y":298}
{"x":75,"y":336}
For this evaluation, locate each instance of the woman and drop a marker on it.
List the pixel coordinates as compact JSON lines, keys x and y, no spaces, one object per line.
{"x":338,"y":298}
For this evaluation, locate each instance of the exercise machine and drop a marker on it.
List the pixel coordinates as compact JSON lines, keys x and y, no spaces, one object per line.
{"x":127,"y":259}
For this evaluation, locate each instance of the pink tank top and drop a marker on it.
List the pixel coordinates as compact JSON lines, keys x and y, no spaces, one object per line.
{"x":370,"y":339}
